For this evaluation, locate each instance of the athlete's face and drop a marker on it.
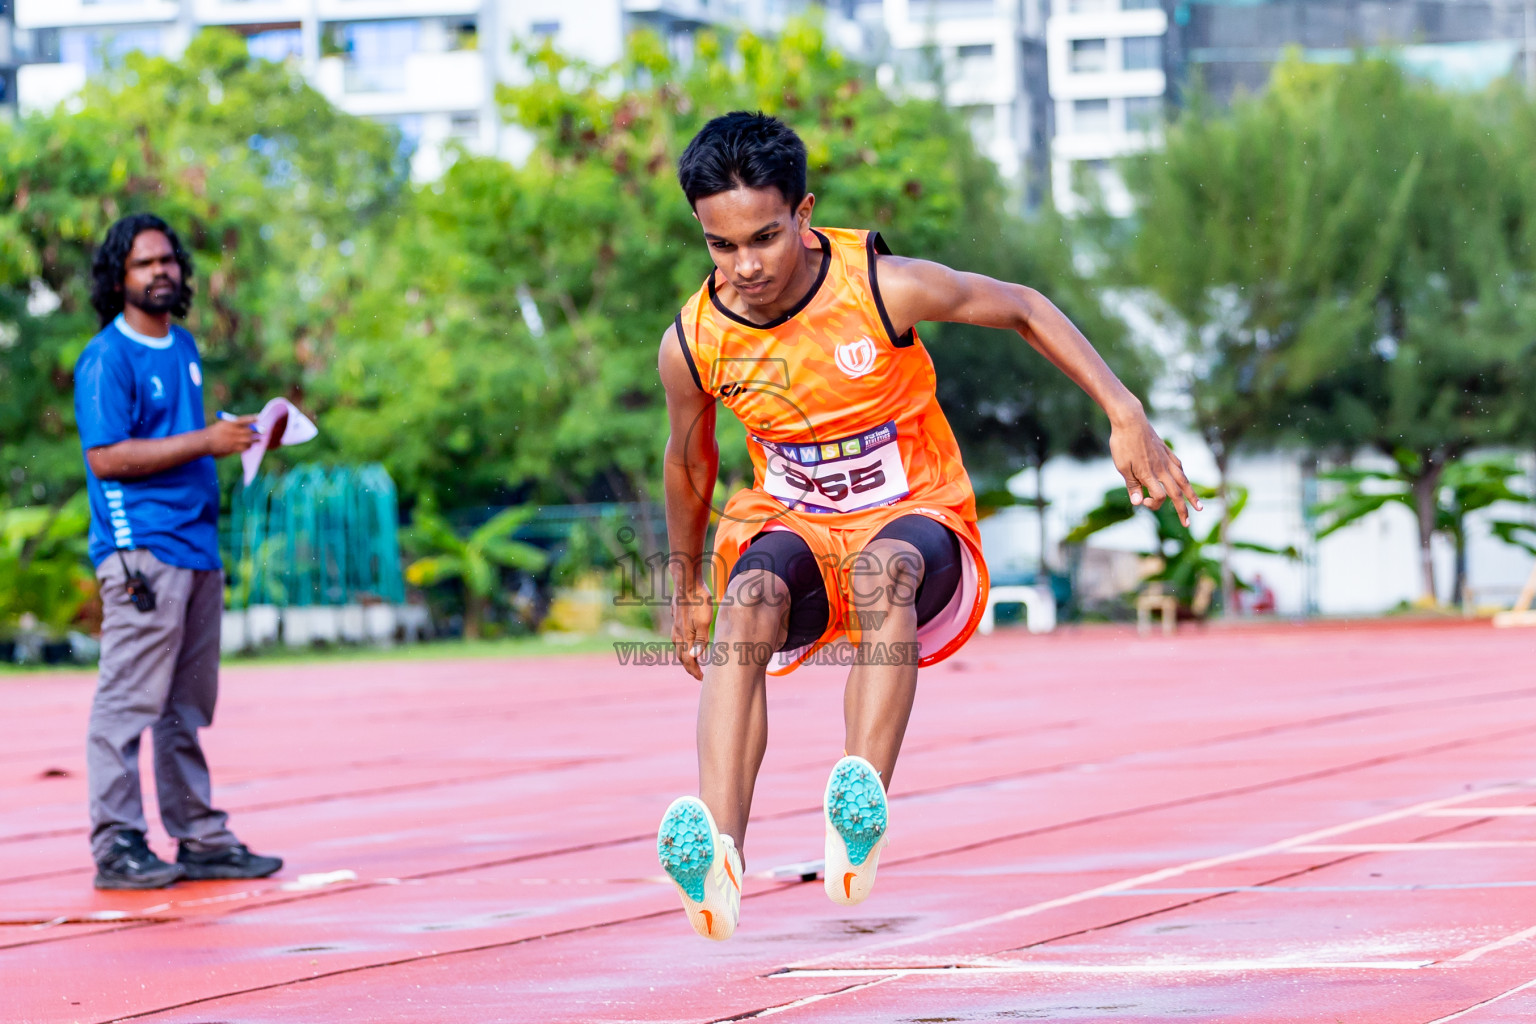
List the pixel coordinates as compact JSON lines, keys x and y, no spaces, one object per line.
{"x":754,"y":239}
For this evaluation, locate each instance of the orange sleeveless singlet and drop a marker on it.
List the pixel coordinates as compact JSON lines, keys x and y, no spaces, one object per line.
{"x":845,"y":434}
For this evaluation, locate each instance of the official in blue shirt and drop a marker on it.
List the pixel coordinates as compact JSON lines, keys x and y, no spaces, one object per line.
{"x":154,"y":541}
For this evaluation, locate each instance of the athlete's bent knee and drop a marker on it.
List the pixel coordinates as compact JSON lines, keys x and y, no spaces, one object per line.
{"x":756,"y":607}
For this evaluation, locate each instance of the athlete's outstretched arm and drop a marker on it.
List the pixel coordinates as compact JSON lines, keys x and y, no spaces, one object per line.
{"x":688,"y":471}
{"x":917,"y":290}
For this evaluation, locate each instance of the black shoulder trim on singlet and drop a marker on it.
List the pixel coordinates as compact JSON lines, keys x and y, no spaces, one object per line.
{"x":826,"y":265}
{"x":682,"y":340}
{"x":875,"y":245}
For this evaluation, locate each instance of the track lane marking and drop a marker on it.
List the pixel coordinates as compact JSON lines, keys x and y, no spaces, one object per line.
{"x":1486,"y":1002}
{"x":1188,"y":967}
{"x":1152,"y":877}
{"x":1431,"y":846}
{"x":1508,"y":940}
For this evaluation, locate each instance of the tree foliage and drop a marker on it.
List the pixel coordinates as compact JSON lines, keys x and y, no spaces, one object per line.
{"x":1187,"y":555}
{"x":474,"y":561}
{"x":1466,"y":486}
{"x":270,"y":187}
{"x":42,"y":563}
{"x":1349,"y":260}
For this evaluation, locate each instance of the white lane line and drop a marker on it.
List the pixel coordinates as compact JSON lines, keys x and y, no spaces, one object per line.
{"x":1482,"y":812}
{"x":1469,"y":844}
{"x":1192,"y":967}
{"x":808,"y":1000}
{"x":1153,"y":877}
{"x":1486,"y":1002}
{"x":1210,"y":890}
{"x":1508,"y":940}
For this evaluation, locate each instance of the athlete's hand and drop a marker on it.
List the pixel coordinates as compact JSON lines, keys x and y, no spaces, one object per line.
{"x":1147,"y":463}
{"x":692,"y":610}
{"x":226,"y":437}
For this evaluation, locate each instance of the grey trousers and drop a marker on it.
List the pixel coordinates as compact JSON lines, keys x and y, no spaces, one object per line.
{"x":159,"y":671}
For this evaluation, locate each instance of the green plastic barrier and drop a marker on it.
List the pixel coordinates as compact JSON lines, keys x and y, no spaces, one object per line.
{"x":315,"y":535}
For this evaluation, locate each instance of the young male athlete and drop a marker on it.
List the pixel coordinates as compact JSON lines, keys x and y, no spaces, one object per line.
{"x":860,"y":521}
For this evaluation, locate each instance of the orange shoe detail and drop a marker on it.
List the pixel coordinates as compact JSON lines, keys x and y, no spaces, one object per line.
{"x":709,"y":921}
{"x":848,"y":878}
{"x":731,"y":874}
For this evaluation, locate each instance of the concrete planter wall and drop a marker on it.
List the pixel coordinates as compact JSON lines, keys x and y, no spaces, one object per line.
{"x":260,"y":626}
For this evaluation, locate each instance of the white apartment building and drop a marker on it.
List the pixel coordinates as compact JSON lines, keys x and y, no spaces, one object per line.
{"x":414,"y":63}
{"x":427,"y":66}
{"x":431,"y":66}
{"x":985,"y":58}
{"x":1108,"y":83}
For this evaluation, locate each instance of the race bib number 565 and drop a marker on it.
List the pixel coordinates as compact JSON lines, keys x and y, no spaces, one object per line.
{"x":859,"y":472}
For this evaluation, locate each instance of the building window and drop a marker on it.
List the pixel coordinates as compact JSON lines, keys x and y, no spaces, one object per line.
{"x":975,"y":64}
{"x":1090,"y":56}
{"x":96,"y":48}
{"x":38,"y":46}
{"x":376,"y":52}
{"x":1140,"y":5}
{"x":1143,"y":113}
{"x":464,"y":126}
{"x":544,"y":30}
{"x":276,"y":45}
{"x":1143,"y":53}
{"x":1090,"y":117}
{"x":446,"y":35}
{"x":463,"y":34}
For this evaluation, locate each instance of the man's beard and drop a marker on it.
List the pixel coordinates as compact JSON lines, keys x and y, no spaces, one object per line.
{"x":165,"y":301}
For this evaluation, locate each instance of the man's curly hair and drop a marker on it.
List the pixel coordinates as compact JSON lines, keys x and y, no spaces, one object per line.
{"x":110,"y":265}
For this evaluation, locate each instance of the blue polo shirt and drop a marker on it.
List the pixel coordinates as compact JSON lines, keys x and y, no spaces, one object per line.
{"x":129,"y":385}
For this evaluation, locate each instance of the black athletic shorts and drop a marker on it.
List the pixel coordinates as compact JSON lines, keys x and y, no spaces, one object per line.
{"x":786,"y":555}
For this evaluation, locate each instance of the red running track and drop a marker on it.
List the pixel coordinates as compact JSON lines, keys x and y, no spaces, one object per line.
{"x":1290,"y":824}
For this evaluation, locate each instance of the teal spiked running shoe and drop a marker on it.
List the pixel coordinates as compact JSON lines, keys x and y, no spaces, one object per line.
{"x":857,"y":821}
{"x":704,"y":864}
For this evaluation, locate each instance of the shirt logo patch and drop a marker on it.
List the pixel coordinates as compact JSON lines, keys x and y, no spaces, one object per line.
{"x":157,"y":388}
{"x":855,"y":358}
{"x":195,"y":373}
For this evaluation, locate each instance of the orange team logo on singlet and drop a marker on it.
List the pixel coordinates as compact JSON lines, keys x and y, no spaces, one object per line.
{"x":845,"y":430}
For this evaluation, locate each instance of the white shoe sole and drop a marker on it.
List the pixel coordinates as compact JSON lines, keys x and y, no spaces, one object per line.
{"x":698,"y":859}
{"x":857,"y":818}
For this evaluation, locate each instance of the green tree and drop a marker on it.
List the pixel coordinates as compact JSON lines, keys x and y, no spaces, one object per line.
{"x":1347,"y":259}
{"x":1464,"y":487}
{"x":272,"y":189}
{"x":1186,"y":554}
{"x":474,"y":561}
{"x":42,"y":563}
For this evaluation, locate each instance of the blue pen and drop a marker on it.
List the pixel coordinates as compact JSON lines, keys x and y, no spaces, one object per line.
{"x":221,"y":414}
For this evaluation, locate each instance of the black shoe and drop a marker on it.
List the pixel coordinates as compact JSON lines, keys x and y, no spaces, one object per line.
{"x":131,"y":864}
{"x":226,"y":862}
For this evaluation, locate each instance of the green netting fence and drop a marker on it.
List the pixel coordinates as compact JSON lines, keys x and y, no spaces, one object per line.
{"x":315,"y":535}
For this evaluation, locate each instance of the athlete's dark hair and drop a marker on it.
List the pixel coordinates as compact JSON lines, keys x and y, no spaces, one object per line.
{"x":743,"y":150}
{"x":110,"y":265}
